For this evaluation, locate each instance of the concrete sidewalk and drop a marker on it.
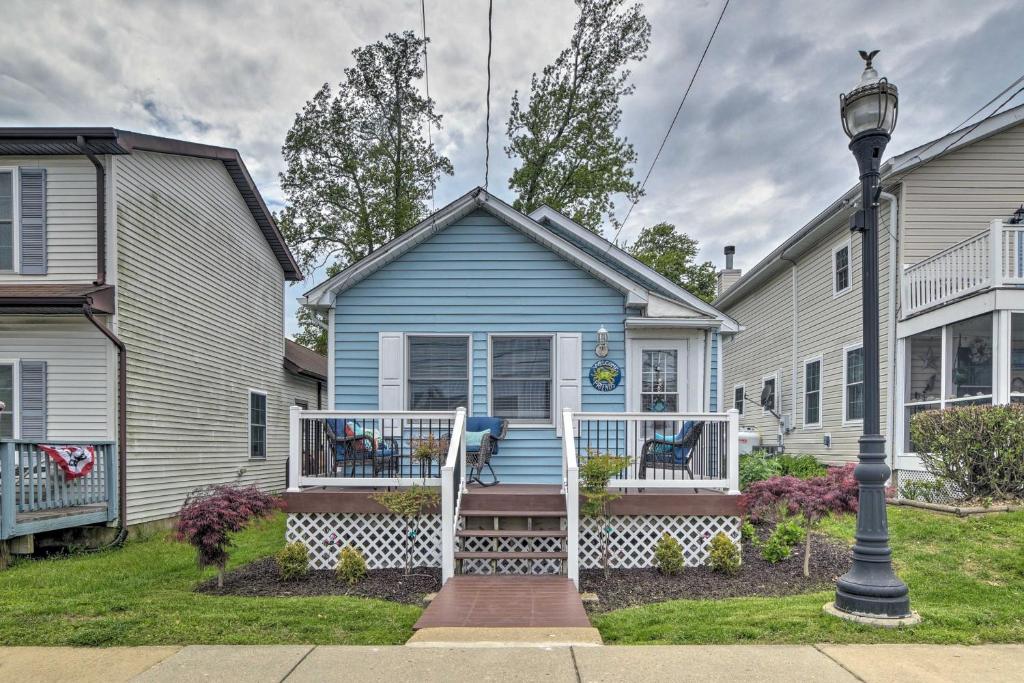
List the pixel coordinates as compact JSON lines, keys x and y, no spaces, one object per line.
{"x":839,"y":663}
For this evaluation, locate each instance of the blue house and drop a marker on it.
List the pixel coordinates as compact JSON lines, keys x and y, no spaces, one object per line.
{"x":485,"y":307}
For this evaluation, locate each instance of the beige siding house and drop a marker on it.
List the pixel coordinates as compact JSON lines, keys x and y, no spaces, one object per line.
{"x":951,"y":262}
{"x":164,"y":248}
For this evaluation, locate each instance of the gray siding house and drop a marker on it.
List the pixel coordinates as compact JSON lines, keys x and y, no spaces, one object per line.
{"x":142,"y":313}
{"x":951,"y":260}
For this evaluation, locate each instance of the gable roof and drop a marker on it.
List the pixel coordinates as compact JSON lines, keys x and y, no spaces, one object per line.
{"x":615,"y":268}
{"x":302,"y":361}
{"x":64,"y":141}
{"x":892,"y":171}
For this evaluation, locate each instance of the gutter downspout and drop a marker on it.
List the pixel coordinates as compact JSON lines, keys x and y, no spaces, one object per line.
{"x":122,"y":427}
{"x":894,"y":275}
{"x":101,"y":212}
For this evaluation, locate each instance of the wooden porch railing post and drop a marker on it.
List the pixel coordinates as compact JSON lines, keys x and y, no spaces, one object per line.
{"x":7,"y":504}
{"x":733,"y":453}
{"x":294,"y":449}
{"x":449,"y":495}
{"x":996,"y":239}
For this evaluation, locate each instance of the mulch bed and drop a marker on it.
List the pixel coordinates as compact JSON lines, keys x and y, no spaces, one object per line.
{"x":628,"y":587}
{"x":262,"y":579}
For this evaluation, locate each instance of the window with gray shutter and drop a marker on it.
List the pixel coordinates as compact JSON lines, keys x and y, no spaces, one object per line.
{"x":32,"y":234}
{"x":6,"y":220}
{"x":33,"y":400}
{"x":7,"y":395}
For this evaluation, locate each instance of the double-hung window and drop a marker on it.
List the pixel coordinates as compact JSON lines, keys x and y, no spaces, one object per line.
{"x":812,"y":392}
{"x":522,"y":374}
{"x":257,"y":425}
{"x":737,"y":398}
{"x":8,"y":395}
{"x":841,"y":280}
{"x":438,"y":372}
{"x":853,"y":384}
{"x":770,"y":393}
{"x":7,"y":228}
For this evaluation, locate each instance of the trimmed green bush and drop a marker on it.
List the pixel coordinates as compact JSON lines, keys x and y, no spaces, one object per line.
{"x":758,"y":466}
{"x":978,"y":450}
{"x":351,"y":566}
{"x":801,"y":466}
{"x":789,"y":532}
{"x":775,"y":550}
{"x":723,"y":555}
{"x":293,"y":561}
{"x":668,"y":556}
{"x":749,"y":533}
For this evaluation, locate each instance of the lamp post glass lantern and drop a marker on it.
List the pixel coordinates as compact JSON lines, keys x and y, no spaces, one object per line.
{"x":871,"y":588}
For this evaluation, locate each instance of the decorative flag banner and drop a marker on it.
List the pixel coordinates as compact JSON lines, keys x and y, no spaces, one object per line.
{"x":76,"y":461}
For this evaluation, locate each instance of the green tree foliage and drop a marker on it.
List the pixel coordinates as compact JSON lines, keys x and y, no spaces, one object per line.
{"x":564,"y":139}
{"x":674,"y":255}
{"x":359,"y":167}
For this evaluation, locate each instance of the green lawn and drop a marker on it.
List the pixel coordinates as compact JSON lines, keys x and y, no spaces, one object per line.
{"x":142,"y":595}
{"x":966,"y":578}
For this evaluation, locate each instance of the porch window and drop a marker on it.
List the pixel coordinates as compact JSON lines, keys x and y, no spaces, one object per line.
{"x":970,"y":344}
{"x":853,"y":384}
{"x":812,"y":393}
{"x":7,"y":383}
{"x":257,"y":425}
{"x":438,"y":372}
{"x":6,"y":220}
{"x":840,"y":269}
{"x":659,"y":381}
{"x":1017,"y":358}
{"x":521,"y":378}
{"x":737,"y":399}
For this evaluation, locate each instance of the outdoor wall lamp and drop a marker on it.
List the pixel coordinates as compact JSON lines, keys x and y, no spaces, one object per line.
{"x":871,"y":591}
{"x":601,"y":350}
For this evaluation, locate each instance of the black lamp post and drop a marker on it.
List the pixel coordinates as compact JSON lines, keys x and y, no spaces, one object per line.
{"x":870,"y":589}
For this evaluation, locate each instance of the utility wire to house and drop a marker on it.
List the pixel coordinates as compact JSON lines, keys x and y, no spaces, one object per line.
{"x":994,"y":112}
{"x":487,"y":122}
{"x":672,"y":123}
{"x":426,"y":83}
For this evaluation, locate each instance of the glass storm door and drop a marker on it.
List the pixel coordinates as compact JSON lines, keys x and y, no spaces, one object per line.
{"x":657,"y":379}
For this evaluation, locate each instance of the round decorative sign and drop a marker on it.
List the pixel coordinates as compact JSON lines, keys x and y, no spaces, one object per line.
{"x":605,"y":375}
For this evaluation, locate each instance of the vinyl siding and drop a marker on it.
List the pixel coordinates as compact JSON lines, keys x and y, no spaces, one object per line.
{"x":201,"y":310}
{"x":956,"y":196}
{"x":825,"y":325}
{"x":479,"y":276}
{"x":70,"y":218}
{"x":80,"y":382}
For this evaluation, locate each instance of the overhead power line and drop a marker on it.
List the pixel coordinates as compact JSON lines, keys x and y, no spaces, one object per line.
{"x":426,"y":83}
{"x":487,"y":123}
{"x":675,"y":118}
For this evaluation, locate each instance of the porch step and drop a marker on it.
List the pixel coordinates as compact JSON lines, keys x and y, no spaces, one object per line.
{"x":512,"y":513}
{"x":486,"y":555}
{"x":491,"y":533}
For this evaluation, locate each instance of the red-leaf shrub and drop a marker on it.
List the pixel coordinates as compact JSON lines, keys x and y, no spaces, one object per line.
{"x":208,"y":517}
{"x":811,"y":499}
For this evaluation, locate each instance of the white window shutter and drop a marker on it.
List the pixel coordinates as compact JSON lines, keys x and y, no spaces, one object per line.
{"x":391,"y":373}
{"x":568,"y":370}
{"x":32,"y":399}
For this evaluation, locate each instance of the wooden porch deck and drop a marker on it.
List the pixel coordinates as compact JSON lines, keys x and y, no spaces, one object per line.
{"x":506,"y":602}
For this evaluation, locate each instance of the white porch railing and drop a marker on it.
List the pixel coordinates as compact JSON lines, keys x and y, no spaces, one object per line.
{"x":339,"y":448}
{"x":658,"y":452}
{"x":453,"y":484}
{"x":989,"y":259}
{"x":571,"y":487}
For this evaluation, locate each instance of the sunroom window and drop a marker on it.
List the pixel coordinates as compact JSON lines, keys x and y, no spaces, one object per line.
{"x":7,"y":397}
{"x":1017,"y":358}
{"x":438,"y":372}
{"x":521,"y":378}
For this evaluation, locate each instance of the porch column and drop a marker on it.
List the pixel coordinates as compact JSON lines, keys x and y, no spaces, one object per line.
{"x":1001,"y":350}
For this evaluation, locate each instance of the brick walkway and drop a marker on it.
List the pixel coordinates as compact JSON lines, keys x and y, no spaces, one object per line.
{"x":506,"y":601}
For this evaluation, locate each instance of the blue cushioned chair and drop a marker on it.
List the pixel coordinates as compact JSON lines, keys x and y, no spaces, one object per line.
{"x":671,"y":452}
{"x":354,"y":446}
{"x":478,"y":457}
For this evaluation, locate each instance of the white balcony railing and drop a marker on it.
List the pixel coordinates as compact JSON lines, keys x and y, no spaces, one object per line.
{"x":993,"y":258}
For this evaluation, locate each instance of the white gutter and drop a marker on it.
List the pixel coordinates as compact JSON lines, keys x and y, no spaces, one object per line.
{"x":894,"y":276}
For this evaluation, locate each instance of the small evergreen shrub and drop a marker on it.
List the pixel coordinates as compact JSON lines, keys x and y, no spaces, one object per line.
{"x":293,"y":561}
{"x":801,"y":466}
{"x":668,"y":556}
{"x":976,"y":450}
{"x":789,"y":532}
{"x":723,"y":555}
{"x":774,"y":550}
{"x":749,"y":533}
{"x":757,"y":466}
{"x":351,"y":566}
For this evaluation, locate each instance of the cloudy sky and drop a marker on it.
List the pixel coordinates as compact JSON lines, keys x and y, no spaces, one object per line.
{"x":757,"y":151}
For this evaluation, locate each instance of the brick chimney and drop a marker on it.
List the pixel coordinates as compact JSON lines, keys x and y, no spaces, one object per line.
{"x":728,"y":276}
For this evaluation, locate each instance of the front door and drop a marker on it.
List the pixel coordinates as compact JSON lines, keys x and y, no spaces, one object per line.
{"x":657,"y":381}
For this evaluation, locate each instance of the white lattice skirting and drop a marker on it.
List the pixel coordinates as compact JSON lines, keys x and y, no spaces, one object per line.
{"x":634,"y":537}
{"x":380,"y":538}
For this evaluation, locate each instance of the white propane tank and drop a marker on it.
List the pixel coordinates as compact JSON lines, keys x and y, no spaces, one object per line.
{"x":749,"y":440}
